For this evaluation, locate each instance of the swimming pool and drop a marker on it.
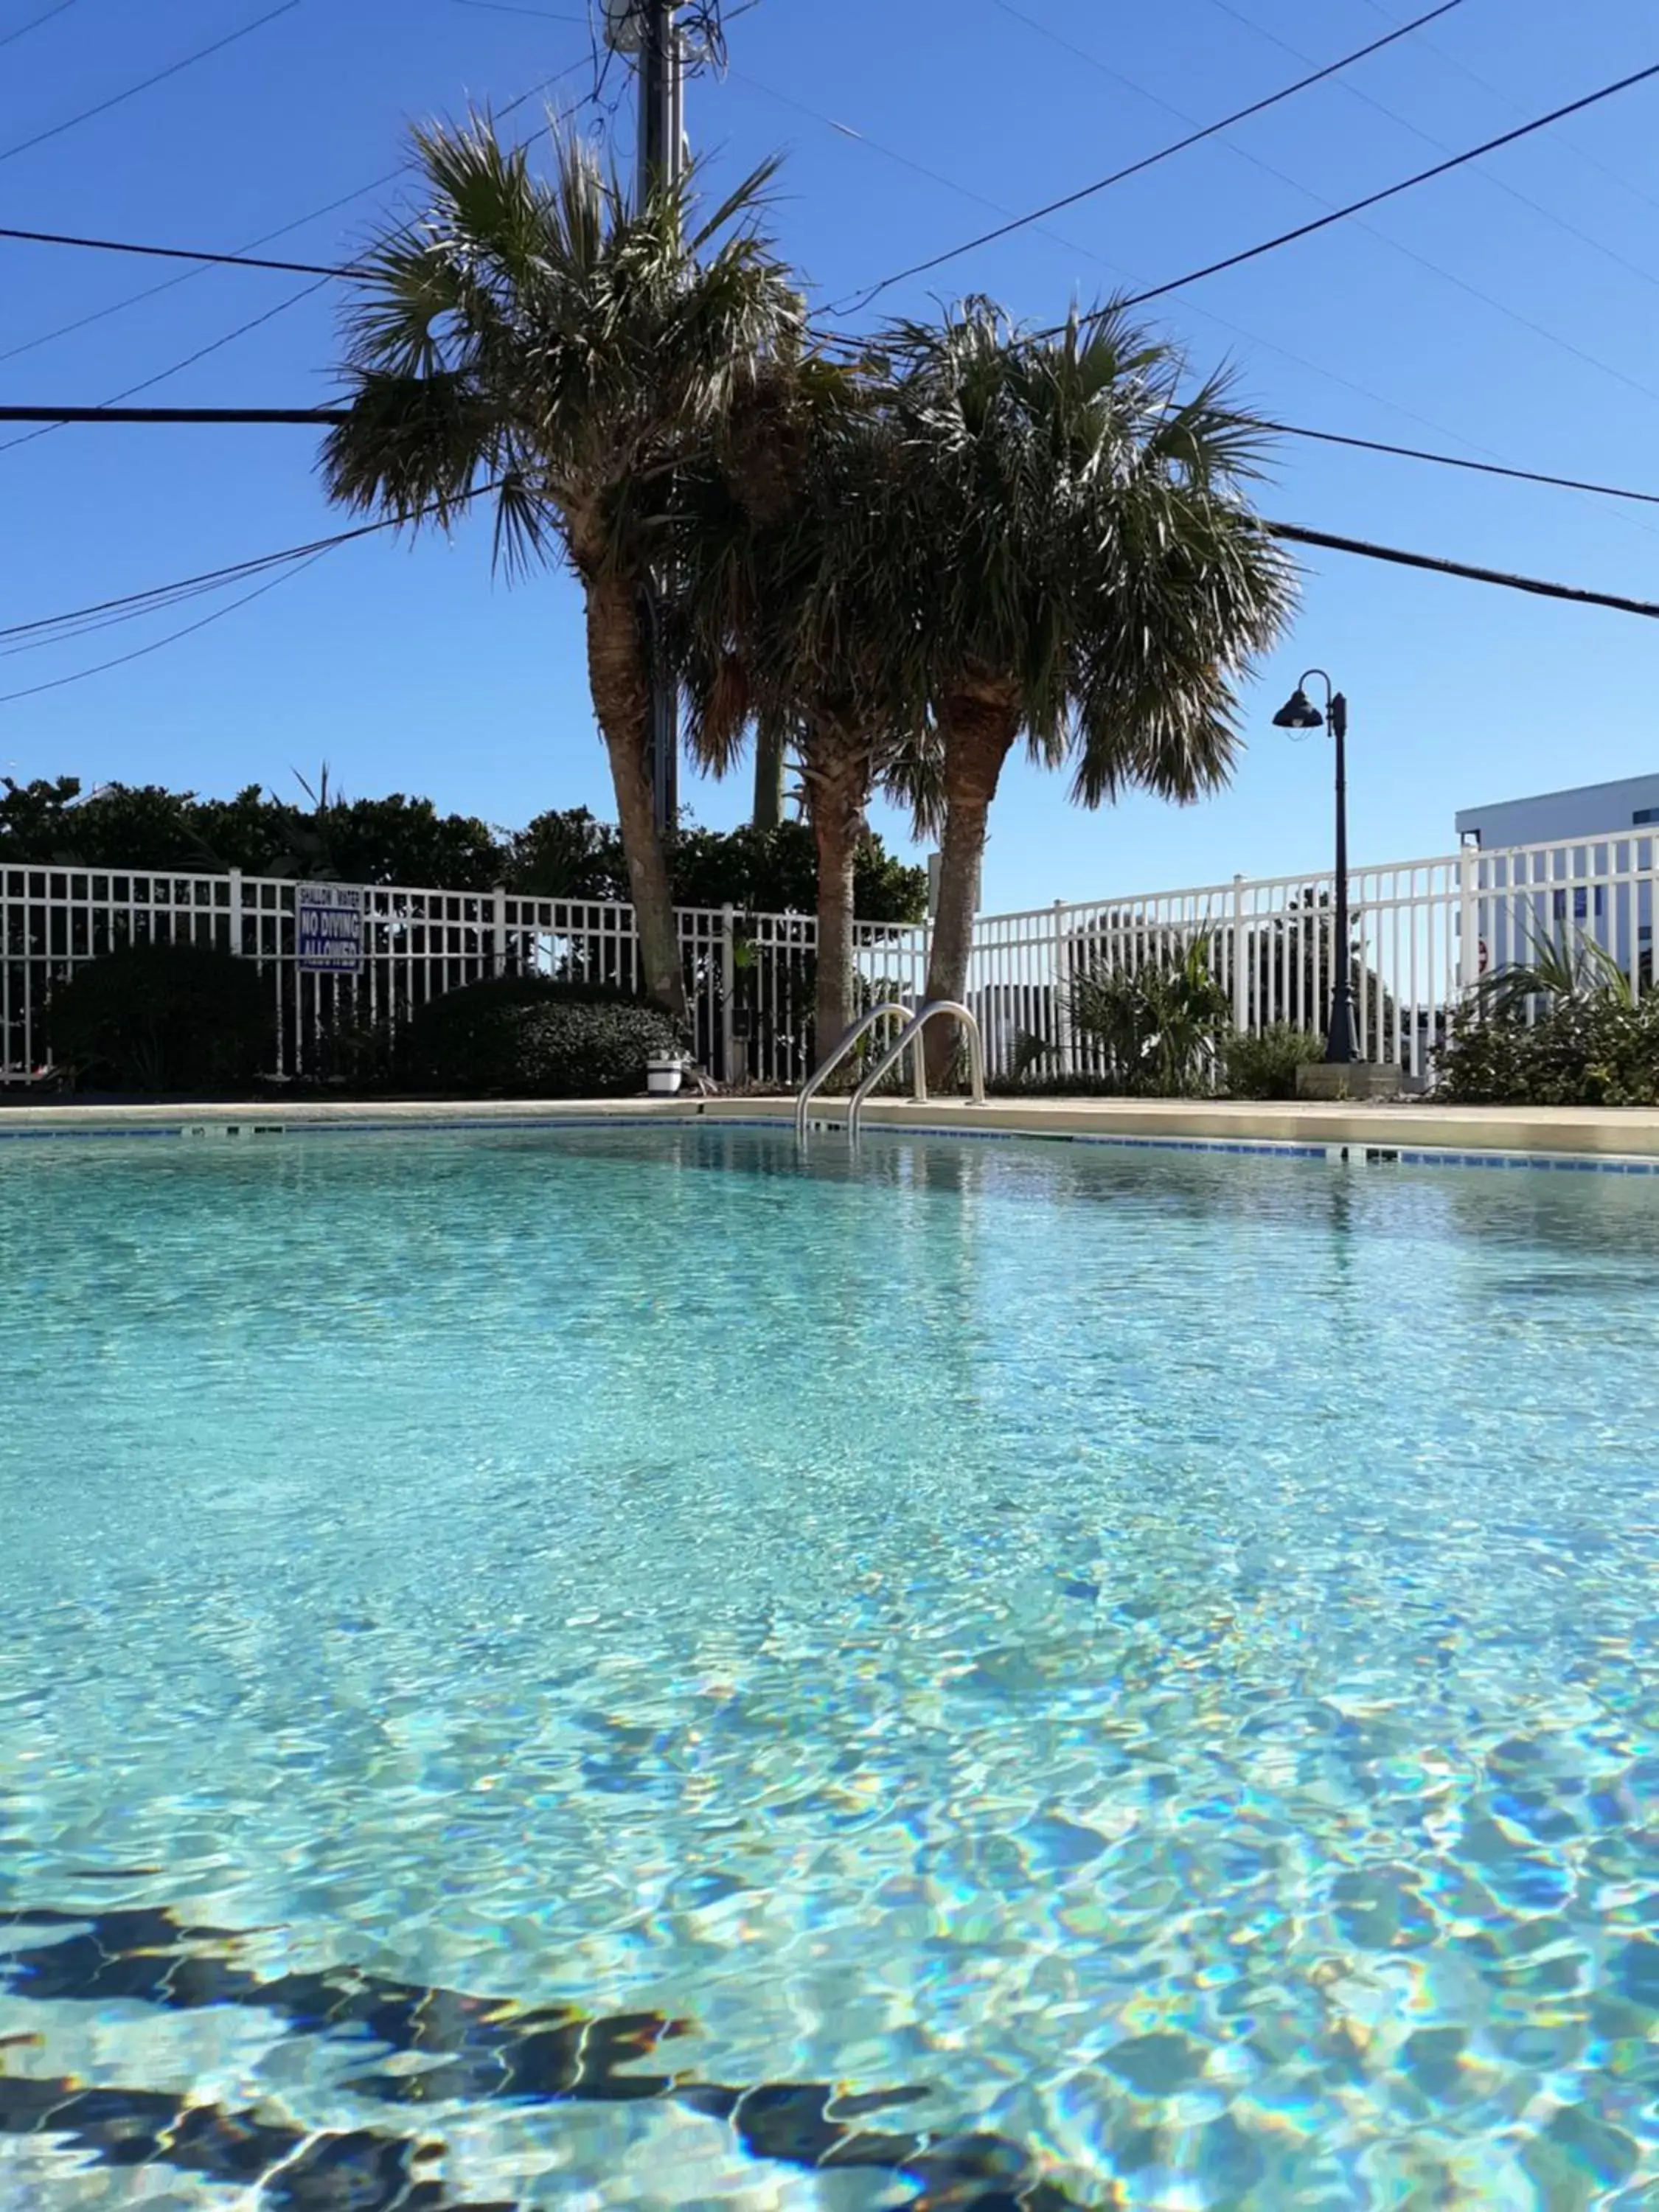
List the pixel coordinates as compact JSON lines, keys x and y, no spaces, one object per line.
{"x":629,"y":1669}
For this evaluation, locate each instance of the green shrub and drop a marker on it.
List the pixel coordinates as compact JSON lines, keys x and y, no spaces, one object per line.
{"x":1597,"y":1050}
{"x":1157,"y":1024}
{"x":524,"y":1036}
{"x":1264,"y":1065}
{"x":1014,"y":1085}
{"x":163,"y":1017}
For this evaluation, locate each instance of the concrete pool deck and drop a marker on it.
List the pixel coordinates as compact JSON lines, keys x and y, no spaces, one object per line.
{"x":1588,"y":1136}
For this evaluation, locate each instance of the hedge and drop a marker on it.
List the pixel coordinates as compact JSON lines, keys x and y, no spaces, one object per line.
{"x":159,"y":1017}
{"x":522,"y":1037}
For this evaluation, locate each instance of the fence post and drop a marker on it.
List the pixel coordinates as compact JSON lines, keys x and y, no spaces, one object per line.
{"x":1241,"y":971}
{"x":1063,"y":1045}
{"x":236,"y":913}
{"x":500,"y":897}
{"x":1468,"y":926}
{"x":728,"y":990}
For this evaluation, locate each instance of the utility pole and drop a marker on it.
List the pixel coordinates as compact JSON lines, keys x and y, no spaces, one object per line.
{"x":662,"y":79}
{"x":662,"y":164}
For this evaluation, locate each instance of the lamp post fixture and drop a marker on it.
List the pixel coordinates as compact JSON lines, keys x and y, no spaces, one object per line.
{"x":1299,"y":713}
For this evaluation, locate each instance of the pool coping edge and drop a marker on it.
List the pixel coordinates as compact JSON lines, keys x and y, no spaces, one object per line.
{"x":1585,"y":1139}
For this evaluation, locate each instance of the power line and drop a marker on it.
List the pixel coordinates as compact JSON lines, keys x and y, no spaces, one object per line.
{"x":1489,"y":468}
{"x":1395,"y":245}
{"x":113,"y":413}
{"x":502,"y":8}
{"x":205,"y":257}
{"x":1149,"y":161}
{"x":557,"y":77}
{"x":290,"y":561}
{"x":117,"y":99}
{"x":208,"y":257}
{"x":294,"y":557}
{"x":1508,"y":100}
{"x":34,"y":23}
{"x":1553,"y":481}
{"x":1498,"y":183}
{"x":183,"y":253}
{"x":160,"y":594}
{"x":142,"y":652}
{"x":170,"y":283}
{"x":240,"y":416}
{"x":62,"y":632}
{"x":1394,"y":191}
{"x":1492,"y":465}
{"x":215,"y":345}
{"x":854,"y":346}
{"x":1463,"y":283}
{"x":255,"y":322}
{"x":1293,"y":534}
{"x":1238,"y":330}
{"x":1456,"y":461}
{"x":241,"y":257}
{"x":876,"y":146}
{"x":323,"y":418}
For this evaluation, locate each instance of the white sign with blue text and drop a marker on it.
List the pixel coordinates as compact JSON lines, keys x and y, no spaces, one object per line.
{"x":328,"y":928}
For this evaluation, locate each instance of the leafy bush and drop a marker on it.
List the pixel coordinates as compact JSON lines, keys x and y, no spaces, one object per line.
{"x":1015,"y":1085}
{"x":1596,"y":1050}
{"x":1156,"y":1026}
{"x":1264,"y":1065}
{"x":524,"y":1036}
{"x":1591,"y":1042}
{"x":163,"y":1017}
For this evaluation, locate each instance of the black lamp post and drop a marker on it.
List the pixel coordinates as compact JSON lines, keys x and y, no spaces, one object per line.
{"x":1299,"y":713}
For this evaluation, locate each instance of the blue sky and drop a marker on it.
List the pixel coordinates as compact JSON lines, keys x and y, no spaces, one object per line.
{"x":1510,"y":311}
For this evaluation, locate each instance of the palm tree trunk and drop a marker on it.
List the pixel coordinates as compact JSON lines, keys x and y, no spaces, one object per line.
{"x":978,"y":728}
{"x":768,"y":779}
{"x":618,"y":673}
{"x":837,"y":798}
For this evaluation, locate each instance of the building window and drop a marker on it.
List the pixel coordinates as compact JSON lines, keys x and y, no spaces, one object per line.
{"x":1581,"y":904}
{"x":1646,"y":814}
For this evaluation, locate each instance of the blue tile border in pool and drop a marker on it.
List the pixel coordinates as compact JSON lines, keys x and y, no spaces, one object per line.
{"x":1557,"y":1162}
{"x":1353,"y":1153}
{"x":31,"y":1136}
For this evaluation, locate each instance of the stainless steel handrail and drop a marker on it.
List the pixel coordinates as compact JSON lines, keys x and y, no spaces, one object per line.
{"x":911,"y":1034}
{"x":860,"y":1027}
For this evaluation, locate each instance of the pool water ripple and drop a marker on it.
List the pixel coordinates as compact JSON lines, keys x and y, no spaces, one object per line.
{"x":1157,"y":1652}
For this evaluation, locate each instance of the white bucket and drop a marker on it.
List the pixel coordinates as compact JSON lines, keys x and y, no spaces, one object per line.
{"x":663,"y":1074}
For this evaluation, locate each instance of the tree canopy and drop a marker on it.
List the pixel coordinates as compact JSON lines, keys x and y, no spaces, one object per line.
{"x":566,"y":853}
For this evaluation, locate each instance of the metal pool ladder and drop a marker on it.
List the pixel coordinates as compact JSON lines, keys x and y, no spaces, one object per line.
{"x":910,"y":1034}
{"x":888,"y":1010}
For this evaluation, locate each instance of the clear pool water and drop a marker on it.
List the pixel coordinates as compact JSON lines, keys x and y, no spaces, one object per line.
{"x":555,"y":1668}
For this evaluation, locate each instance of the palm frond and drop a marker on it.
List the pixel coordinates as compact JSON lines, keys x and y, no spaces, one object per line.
{"x":1573,"y":968}
{"x":546,"y":334}
{"x":744,"y":203}
{"x":1089,"y":540}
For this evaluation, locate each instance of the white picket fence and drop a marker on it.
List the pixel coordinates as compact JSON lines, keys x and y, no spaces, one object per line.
{"x":749,"y":977}
{"x":1421,"y":931}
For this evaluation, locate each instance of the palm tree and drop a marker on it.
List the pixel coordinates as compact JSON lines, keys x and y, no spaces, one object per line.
{"x":553,"y":346}
{"x":797,"y":551}
{"x":1097,"y":581}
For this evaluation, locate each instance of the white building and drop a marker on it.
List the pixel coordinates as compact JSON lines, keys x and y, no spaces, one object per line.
{"x":1580,"y":848}
{"x":1553,"y":817}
